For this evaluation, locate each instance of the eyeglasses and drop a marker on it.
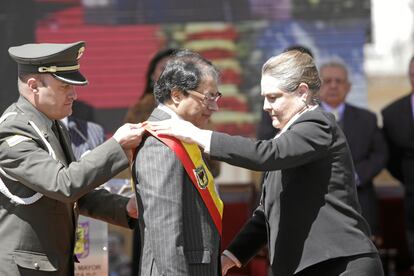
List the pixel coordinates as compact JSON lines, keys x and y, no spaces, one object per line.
{"x":204,"y":97}
{"x":335,"y":80}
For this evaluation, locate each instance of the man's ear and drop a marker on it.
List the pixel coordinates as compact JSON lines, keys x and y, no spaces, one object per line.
{"x":176,"y":96}
{"x":33,"y":85}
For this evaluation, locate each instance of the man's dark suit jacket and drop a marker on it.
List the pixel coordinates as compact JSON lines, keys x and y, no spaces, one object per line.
{"x":309,"y":211}
{"x":399,"y":133}
{"x":178,"y":235}
{"x":369,"y":153}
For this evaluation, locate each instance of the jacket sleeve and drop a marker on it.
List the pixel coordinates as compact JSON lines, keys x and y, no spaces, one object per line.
{"x":375,"y":159}
{"x":160,"y":189}
{"x":305,"y":141}
{"x":251,"y":238}
{"x":103,"y":205}
{"x":394,"y":163}
{"x":32,"y":166}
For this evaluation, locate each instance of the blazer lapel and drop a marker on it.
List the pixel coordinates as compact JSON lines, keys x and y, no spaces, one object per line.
{"x":348,"y":119}
{"x":57,"y":147}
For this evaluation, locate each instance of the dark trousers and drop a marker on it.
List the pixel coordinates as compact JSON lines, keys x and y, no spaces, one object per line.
{"x":358,"y":265}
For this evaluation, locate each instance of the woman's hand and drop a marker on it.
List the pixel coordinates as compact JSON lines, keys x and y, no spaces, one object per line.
{"x":180,"y":129}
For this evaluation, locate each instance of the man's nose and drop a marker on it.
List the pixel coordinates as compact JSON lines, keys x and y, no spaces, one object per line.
{"x":333,"y":84}
{"x":73,"y":93}
{"x":213,"y":105}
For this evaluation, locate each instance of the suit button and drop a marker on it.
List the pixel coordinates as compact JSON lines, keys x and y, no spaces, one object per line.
{"x":36,"y":266}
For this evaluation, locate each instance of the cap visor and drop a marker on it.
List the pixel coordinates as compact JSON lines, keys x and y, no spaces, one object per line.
{"x":74,"y":78}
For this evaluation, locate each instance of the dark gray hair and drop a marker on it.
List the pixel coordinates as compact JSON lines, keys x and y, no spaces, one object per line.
{"x":334,"y":63}
{"x":292,"y":68}
{"x":184,"y":71}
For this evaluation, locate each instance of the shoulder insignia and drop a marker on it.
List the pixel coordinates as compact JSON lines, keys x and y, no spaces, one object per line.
{"x":16,"y":139}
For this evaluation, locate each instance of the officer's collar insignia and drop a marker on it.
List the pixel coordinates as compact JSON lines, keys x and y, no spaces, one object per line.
{"x":201,"y":175}
{"x":80,"y":52}
{"x":45,"y":133}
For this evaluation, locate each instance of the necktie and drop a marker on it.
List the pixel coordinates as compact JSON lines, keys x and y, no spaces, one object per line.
{"x":335,"y":112}
{"x":58,"y":134}
{"x":56,"y":131}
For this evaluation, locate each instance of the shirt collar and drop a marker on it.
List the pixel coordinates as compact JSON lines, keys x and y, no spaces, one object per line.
{"x":340,"y":109}
{"x":65,"y":121}
{"x":294,"y":118}
{"x":169,"y":111}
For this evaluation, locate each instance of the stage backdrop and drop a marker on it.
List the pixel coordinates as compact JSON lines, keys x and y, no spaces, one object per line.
{"x":238,"y":36}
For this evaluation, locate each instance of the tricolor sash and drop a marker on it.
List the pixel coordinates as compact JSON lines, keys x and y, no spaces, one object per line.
{"x":201,"y":177}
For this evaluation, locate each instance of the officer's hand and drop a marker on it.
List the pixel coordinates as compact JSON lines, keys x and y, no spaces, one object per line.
{"x":129,"y":136}
{"x":132,"y":208}
{"x":226,"y":264}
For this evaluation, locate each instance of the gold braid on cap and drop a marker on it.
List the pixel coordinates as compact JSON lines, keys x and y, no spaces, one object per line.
{"x":54,"y":69}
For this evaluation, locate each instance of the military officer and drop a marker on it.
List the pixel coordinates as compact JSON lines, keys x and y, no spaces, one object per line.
{"x":42,"y":188}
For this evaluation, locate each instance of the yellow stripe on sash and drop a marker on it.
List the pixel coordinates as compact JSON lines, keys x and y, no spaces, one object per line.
{"x":195,"y":155}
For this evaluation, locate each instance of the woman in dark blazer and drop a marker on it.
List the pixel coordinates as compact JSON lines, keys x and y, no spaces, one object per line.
{"x":309,"y":215}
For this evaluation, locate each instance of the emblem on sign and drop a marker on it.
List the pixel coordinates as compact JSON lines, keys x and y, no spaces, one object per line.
{"x":201,"y":175}
{"x":82,"y":240}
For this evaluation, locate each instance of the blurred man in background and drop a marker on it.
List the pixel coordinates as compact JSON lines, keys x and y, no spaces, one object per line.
{"x":365,"y":139}
{"x":398,"y":121}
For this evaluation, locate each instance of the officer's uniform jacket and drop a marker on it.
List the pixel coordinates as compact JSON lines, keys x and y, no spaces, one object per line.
{"x":39,"y":238}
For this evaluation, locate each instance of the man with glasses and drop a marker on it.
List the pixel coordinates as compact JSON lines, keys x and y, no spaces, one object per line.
{"x":180,"y":209}
{"x":367,"y":144}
